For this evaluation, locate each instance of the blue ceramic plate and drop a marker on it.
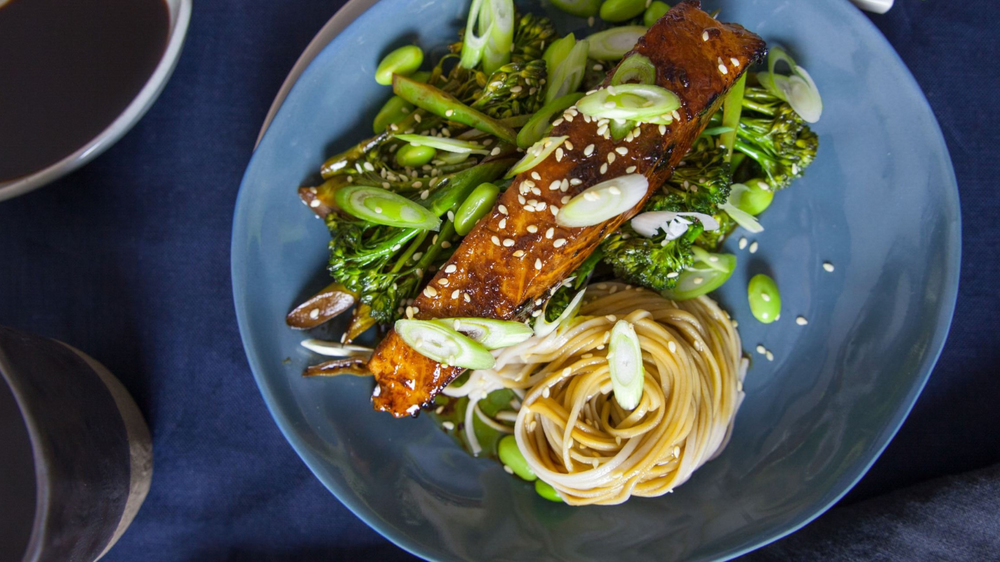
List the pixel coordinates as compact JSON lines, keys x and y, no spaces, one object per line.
{"x":880,"y":203}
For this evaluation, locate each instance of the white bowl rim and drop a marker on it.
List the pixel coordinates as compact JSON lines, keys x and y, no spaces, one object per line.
{"x":180,"y":15}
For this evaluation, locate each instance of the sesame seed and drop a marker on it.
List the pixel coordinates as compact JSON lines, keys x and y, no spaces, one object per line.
{"x":550,"y":232}
{"x":417,"y":256}
{"x":369,"y":167}
{"x":766,"y":297}
{"x":417,"y":185}
{"x":735,"y":61}
{"x":559,"y":243}
{"x":378,"y":210}
{"x":502,"y":224}
{"x":753,"y":248}
{"x":611,"y":158}
{"x":672,"y":275}
{"x":761,"y":349}
{"x":554,"y":185}
{"x":495,"y":240}
{"x":430,"y":292}
{"x":409,"y":312}
{"x":521,"y":199}
{"x":446,"y":244}
{"x":443,"y":282}
{"x":698,"y":280}
{"x":704,"y":35}
{"x":613,"y":190}
{"x":314,"y":313}
{"x":630,"y":170}
{"x":769,"y":355}
{"x":604,"y":168}
{"x":516,"y":90}
{"x":568,"y":145}
{"x":532,"y":228}
{"x":455,"y":293}
{"x":535,"y":176}
{"x":621,"y":150}
{"x":589,"y":150}
{"x":723,"y":69}
{"x":801,"y":321}
{"x":559,"y":154}
{"x":529,"y":208}
{"x":590,"y":21}
{"x":314,"y":203}
{"x":675,"y":115}
{"x":448,"y":113}
{"x":449,"y":426}
{"x":502,"y":209}
{"x":508,"y":242}
{"x":565,"y":199}
{"x":743,"y":243}
{"x":662,"y":129}
{"x":540,"y":206}
{"x":466,"y":297}
{"x":538,"y":263}
{"x":591,"y":195}
{"x":554,"y":210}
{"x":450,"y":268}
{"x":425,"y":194}
{"x":508,"y":469}
{"x":828,"y":266}
{"x":495,"y":151}
{"x":518,"y":253}
{"x":575,"y":181}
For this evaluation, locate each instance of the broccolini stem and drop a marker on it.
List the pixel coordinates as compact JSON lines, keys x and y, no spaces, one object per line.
{"x":445,"y":105}
{"x":409,"y":252}
{"x":462,"y":183}
{"x":765,"y":109}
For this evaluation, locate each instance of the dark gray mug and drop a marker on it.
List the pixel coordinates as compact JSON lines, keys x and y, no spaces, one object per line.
{"x":75,"y":453}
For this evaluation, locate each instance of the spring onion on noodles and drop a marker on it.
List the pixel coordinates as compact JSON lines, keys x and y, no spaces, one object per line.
{"x":604,"y":201}
{"x":492,"y":334}
{"x":544,"y":328}
{"x":625,"y":365}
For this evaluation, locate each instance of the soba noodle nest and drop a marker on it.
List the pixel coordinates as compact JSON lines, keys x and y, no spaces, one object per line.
{"x":569,"y":427}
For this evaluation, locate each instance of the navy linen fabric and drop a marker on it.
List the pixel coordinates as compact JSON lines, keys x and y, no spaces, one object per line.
{"x":128,"y":259}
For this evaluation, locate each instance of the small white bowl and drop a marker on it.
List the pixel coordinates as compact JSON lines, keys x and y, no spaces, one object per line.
{"x":180,"y":17}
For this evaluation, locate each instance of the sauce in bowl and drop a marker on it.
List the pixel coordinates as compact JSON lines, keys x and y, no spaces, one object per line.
{"x":67,"y":70}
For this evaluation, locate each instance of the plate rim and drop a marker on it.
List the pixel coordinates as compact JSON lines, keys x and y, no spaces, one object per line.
{"x":346,"y":16}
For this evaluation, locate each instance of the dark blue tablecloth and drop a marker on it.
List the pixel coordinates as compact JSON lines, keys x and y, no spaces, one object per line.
{"x":128,"y":259}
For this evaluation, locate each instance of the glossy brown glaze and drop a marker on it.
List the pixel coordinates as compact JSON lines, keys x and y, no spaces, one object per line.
{"x":494,"y":280}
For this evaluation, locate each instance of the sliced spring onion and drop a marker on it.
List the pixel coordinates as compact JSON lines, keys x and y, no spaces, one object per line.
{"x":499,"y":21}
{"x":674,"y":224}
{"x":731,"y":115}
{"x":617,"y":11}
{"x":753,"y":197}
{"x":543,"y":328}
{"x":382,"y":206}
{"x":636,"y":69}
{"x":764,"y":298}
{"x":446,"y":144}
{"x":404,"y":60}
{"x":580,"y":8}
{"x":707,"y":274}
{"x":475,"y":207}
{"x":568,"y":76}
{"x":493,"y":334}
{"x":536,"y":155}
{"x":799,"y":89}
{"x":625,"y":364}
{"x":741,"y":217}
{"x":511,"y":456}
{"x":472,"y":44}
{"x":557,"y":52}
{"x":444,"y":345}
{"x":604,"y":201}
{"x":612,"y":44}
{"x":620,"y":128}
{"x":446,"y":106}
{"x":637,"y":102}
{"x":541,"y":121}
{"x":333,"y":349}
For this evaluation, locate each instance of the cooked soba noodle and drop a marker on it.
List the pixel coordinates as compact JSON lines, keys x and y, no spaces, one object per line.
{"x":570,"y":429}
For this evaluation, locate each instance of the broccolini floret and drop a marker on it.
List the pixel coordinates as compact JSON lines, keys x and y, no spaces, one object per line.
{"x":777,"y":140}
{"x":649,"y":262}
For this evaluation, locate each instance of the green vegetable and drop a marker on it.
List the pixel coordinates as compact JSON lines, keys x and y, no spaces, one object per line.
{"x":654,"y":12}
{"x":493,"y":334}
{"x":380,"y":206}
{"x":557,"y":52}
{"x":580,"y":8}
{"x":475,"y":207}
{"x":543,"y":327}
{"x":799,"y":90}
{"x":446,"y":106}
{"x":603,"y":201}
{"x":568,"y":74}
{"x":445,"y":144}
{"x":495,"y":20}
{"x":731,"y":115}
{"x":765,"y":300}
{"x":625,"y":364}
{"x":775,"y":138}
{"x":511,"y":456}
{"x":535,"y":155}
{"x":612,"y":44}
{"x":443,"y":345}
{"x":394,"y":111}
{"x":753,"y":197}
{"x":531,"y":34}
{"x":706,"y":274}
{"x":404,"y":61}
{"x":636,"y":69}
{"x":414,"y":155}
{"x":651,"y":262}
{"x":547,"y":491}
{"x":541,"y":121}
{"x":565,"y":295}
{"x":617,"y":11}
{"x":636,"y":102}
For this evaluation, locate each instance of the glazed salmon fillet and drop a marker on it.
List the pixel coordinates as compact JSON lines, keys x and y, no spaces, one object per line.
{"x":518,"y":252}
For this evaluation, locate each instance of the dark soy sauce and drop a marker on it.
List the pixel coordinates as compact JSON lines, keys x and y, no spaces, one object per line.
{"x":68,"y":68}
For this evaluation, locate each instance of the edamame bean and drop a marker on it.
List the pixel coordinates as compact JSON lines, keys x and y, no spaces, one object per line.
{"x":621,"y":10}
{"x":654,"y":12}
{"x":414,"y":156}
{"x":752,"y":197}
{"x":581,"y":8}
{"x":421,"y":76}
{"x":404,"y":60}
{"x":475,"y":207}
{"x":765,"y":300}
{"x":511,"y":456}
{"x":394,"y":111}
{"x":546,"y":490}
